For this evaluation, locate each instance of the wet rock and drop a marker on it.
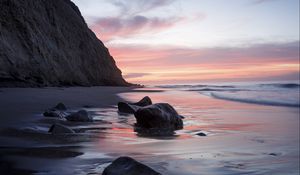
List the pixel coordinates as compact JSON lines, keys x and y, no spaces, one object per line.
{"x":60,"y":106}
{"x":127,"y":108}
{"x":128,"y":166}
{"x":80,"y":116}
{"x":144,"y":102}
{"x":133,"y":107}
{"x":201,"y":134}
{"x":60,"y":129}
{"x":160,"y":115}
{"x":54,"y":113}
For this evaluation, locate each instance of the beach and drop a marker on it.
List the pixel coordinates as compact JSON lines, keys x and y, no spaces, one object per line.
{"x":241,"y":138}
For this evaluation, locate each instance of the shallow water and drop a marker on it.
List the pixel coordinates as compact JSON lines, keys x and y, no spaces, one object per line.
{"x":241,"y":139}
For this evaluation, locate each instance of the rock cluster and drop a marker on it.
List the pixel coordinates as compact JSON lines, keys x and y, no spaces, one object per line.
{"x":153,"y":116}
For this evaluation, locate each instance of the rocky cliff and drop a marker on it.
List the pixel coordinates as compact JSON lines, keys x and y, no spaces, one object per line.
{"x":48,"y":43}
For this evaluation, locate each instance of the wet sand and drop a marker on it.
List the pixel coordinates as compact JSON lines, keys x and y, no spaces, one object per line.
{"x":241,"y":138}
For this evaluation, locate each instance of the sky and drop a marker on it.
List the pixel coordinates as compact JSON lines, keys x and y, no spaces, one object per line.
{"x":194,"y":41}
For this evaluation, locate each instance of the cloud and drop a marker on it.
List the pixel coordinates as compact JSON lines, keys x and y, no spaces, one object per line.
{"x":108,"y":28}
{"x":272,"y":52}
{"x":261,"y":1}
{"x":167,"y":63}
{"x":134,"y":7}
{"x":135,"y":75}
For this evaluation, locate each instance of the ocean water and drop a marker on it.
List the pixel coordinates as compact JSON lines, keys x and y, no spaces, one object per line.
{"x":274,"y":94}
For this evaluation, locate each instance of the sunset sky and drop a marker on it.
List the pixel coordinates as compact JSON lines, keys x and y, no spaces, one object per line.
{"x":191,"y":41}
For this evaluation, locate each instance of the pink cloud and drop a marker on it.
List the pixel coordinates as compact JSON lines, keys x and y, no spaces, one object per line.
{"x":162,"y":63}
{"x":108,"y":28}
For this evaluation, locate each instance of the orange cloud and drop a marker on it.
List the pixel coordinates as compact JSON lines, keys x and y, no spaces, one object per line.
{"x":168,"y":64}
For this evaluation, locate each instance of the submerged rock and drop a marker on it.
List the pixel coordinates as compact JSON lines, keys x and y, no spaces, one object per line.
{"x":160,"y":115}
{"x":201,"y":134}
{"x":60,"y":129}
{"x":128,"y":166}
{"x":133,"y":107}
{"x":80,"y":116}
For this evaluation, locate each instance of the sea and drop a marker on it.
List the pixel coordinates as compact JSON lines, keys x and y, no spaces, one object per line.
{"x":261,"y":93}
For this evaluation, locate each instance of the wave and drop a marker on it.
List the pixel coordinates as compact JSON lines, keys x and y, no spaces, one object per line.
{"x":254,"y":100}
{"x":214,"y":89}
{"x":195,"y":86}
{"x":280,"y":85}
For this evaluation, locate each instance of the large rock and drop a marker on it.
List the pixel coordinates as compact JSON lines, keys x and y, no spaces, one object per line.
{"x":48,"y":43}
{"x":160,"y":115}
{"x":128,"y":166}
{"x":80,"y":116}
{"x":60,"y":129}
{"x":133,"y":107}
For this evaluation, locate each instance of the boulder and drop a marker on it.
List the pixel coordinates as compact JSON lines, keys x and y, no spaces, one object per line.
{"x":127,"y":108}
{"x":128,"y":166}
{"x":56,"y":111}
{"x":133,"y":107}
{"x":160,"y":115}
{"x":144,"y":102}
{"x":80,"y":116}
{"x":60,"y":129}
{"x":60,"y":106}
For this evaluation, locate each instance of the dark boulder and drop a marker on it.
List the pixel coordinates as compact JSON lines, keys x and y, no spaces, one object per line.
{"x":60,"y":129}
{"x":56,"y":111}
{"x":144,"y":102}
{"x":127,"y":108}
{"x":80,"y":116}
{"x":60,"y":106}
{"x":128,"y":166}
{"x":133,"y":107}
{"x":160,"y":115}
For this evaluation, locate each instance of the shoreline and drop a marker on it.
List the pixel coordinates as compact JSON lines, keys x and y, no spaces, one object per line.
{"x":241,"y":138}
{"x":21,"y":104}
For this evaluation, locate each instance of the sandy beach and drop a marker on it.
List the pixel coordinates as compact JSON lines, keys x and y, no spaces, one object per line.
{"x":241,"y":138}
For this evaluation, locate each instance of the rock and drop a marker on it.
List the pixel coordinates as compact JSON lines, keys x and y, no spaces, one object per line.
{"x":144,"y":102}
{"x":48,"y":43}
{"x":54,"y":113}
{"x":61,"y":107}
{"x":201,"y":134}
{"x":160,"y":115}
{"x":60,"y":129}
{"x":133,"y":107}
{"x":128,"y":166}
{"x":127,"y":108}
{"x":80,"y":116}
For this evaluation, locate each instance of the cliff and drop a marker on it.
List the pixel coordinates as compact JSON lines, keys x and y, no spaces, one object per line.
{"x":48,"y":43}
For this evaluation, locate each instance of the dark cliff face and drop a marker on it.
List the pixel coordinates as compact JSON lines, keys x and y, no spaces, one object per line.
{"x":48,"y":43}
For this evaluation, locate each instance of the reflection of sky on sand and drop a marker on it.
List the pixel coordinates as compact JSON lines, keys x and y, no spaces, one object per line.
{"x":242,"y":138}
